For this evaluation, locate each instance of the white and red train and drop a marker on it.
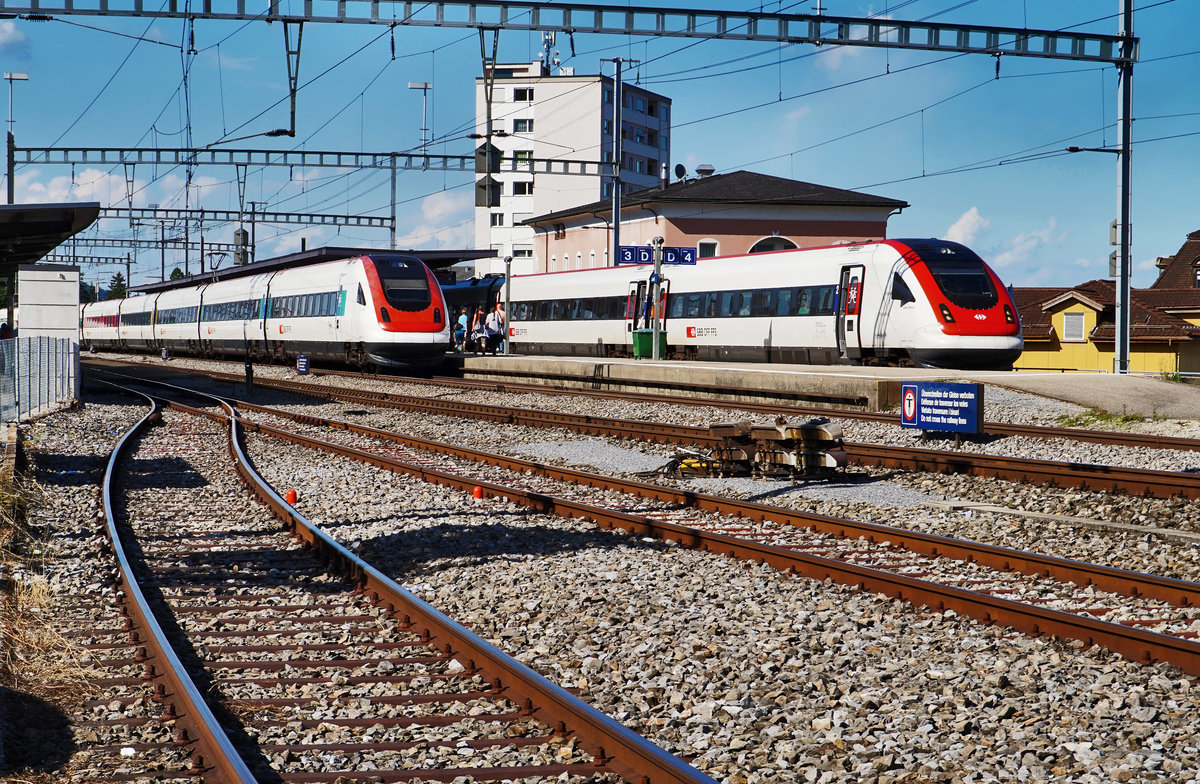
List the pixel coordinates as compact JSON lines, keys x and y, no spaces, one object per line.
{"x":384,"y":308}
{"x":929,"y":302}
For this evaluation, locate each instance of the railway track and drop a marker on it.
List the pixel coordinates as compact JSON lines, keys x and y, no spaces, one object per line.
{"x":273,"y":653}
{"x":1085,"y":476}
{"x":852,"y":409}
{"x":1033,"y":593}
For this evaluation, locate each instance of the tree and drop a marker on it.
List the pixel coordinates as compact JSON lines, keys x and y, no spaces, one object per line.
{"x":116,"y":287}
{"x":176,"y":274}
{"x":87,"y":292}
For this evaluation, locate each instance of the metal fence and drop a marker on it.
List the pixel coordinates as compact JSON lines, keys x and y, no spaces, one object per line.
{"x":36,"y":375}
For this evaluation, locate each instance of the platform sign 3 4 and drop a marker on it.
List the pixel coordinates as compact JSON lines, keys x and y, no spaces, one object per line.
{"x":644,"y":254}
{"x":954,"y":407}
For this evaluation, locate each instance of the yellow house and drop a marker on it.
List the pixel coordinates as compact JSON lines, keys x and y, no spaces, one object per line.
{"x":1073,"y":330}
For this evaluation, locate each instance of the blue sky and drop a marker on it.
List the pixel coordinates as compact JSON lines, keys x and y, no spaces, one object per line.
{"x":888,"y":122}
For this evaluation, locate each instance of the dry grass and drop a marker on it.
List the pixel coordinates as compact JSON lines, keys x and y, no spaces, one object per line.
{"x":35,"y":658}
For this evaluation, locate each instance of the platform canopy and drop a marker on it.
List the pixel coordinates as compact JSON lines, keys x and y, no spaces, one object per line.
{"x":29,"y":232}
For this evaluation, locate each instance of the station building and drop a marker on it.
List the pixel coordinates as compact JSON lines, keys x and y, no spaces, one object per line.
{"x":542,"y":112}
{"x":1074,"y":329}
{"x":719,"y":215}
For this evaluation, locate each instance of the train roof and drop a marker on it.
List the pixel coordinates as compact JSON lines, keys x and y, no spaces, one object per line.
{"x":434,"y":259}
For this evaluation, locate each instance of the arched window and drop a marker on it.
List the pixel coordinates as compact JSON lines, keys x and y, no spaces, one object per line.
{"x":1196,"y":273}
{"x":772,"y":243}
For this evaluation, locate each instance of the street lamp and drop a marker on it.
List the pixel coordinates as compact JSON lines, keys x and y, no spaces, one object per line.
{"x":12,"y":76}
{"x":424,"y":87}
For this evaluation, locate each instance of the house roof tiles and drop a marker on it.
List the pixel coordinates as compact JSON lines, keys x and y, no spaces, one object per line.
{"x":739,"y":187}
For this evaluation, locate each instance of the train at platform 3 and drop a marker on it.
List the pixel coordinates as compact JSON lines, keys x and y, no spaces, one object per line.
{"x":927,"y":302}
{"x":382,"y":308}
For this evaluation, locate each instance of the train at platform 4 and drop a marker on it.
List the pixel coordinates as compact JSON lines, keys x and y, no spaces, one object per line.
{"x":382,"y":308}
{"x":927,"y":302}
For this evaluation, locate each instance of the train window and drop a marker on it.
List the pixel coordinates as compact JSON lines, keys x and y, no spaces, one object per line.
{"x":743,"y":303}
{"x":543,"y":311}
{"x":761,"y":302}
{"x":965,"y":282}
{"x":555,"y":309}
{"x":804,"y":302}
{"x":785,"y":301}
{"x":728,"y":303}
{"x":900,"y":290}
{"x":585,"y":309}
{"x":362,"y":300}
{"x":826,"y":300}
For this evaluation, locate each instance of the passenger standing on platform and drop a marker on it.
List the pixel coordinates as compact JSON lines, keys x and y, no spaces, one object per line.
{"x":479,"y":331}
{"x":495,"y":328}
{"x":460,"y":331}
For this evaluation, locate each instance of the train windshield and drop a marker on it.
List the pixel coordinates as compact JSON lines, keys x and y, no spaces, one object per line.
{"x":961,"y":275}
{"x":405,"y":284}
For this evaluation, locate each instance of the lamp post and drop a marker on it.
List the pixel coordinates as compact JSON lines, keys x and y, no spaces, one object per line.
{"x":12,"y":143}
{"x":507,"y":302}
{"x":655,"y":288}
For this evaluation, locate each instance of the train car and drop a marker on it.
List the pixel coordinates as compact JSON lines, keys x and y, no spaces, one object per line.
{"x":927,"y":302}
{"x":382,"y":308}
{"x":100,"y":323}
{"x":177,"y":320}
{"x":136,"y":331}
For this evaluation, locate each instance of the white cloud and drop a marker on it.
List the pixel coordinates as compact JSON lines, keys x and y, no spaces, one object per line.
{"x":1020,"y":248}
{"x":447,"y":205}
{"x":88,"y":185}
{"x":796,"y":115}
{"x":13,"y":42}
{"x":831,"y":57}
{"x":967,"y":227}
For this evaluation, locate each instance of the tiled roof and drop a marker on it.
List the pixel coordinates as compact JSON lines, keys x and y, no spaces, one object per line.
{"x":1171,"y":299}
{"x":739,"y":187}
{"x":1180,"y":271}
{"x":1146,"y":321}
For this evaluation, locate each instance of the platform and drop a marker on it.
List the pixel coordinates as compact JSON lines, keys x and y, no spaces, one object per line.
{"x":836,"y":386}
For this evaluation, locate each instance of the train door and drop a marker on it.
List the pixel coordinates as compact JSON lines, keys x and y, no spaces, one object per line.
{"x":637,"y":308}
{"x":849,"y":316}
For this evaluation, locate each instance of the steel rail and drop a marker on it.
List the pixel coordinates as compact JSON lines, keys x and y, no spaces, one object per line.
{"x":1088,"y":476}
{"x":616,"y":748}
{"x":215,"y":750}
{"x":1137,"y":584}
{"x":1132,"y":643}
{"x":1110,"y":437}
{"x":1182,"y":593}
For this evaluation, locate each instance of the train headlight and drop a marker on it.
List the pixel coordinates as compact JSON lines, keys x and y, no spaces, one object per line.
{"x":383,"y":315}
{"x":1009,"y":316}
{"x":947,"y":316}
{"x":437,"y":316}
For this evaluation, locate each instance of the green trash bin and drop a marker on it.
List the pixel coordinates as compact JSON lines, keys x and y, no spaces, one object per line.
{"x":643,"y":344}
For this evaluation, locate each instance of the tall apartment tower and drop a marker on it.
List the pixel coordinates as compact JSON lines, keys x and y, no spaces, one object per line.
{"x":562,"y":115}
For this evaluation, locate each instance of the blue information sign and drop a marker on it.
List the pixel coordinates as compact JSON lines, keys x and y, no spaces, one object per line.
{"x":635,"y":254}
{"x":644,"y":254}
{"x":957,"y":407}
{"x":302,"y":364}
